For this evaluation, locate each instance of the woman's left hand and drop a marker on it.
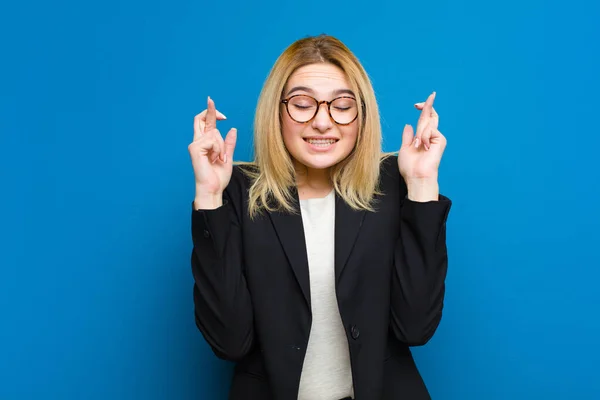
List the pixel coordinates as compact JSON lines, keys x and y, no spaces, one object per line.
{"x":421,"y":153}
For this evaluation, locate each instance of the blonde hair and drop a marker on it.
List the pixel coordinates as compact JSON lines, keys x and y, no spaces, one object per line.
{"x":355,"y":179}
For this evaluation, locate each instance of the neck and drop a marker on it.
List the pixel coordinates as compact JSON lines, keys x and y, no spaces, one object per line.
{"x":312,"y":183}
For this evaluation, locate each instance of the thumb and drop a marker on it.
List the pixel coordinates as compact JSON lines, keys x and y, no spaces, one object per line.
{"x":230,"y":141}
{"x":407,"y":135}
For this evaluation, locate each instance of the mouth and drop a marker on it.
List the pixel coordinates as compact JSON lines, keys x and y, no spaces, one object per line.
{"x":321,"y":143}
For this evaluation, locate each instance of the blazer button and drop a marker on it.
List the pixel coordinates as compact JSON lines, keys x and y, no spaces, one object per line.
{"x":354,"y":332}
{"x":206,"y":233}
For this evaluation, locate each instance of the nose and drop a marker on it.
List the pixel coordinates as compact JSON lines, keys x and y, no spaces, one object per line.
{"x":322,"y":121}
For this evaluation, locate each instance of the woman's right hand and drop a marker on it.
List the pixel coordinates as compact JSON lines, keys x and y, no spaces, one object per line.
{"x":212,"y":158}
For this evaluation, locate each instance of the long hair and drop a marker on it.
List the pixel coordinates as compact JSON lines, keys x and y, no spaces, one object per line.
{"x":355,"y":179}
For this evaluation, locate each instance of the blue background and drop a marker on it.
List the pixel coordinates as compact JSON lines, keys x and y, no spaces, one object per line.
{"x":96,"y":108}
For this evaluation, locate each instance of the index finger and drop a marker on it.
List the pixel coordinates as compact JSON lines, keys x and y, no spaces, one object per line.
{"x":211,"y":116}
{"x":429,"y":105}
{"x":425,"y":114}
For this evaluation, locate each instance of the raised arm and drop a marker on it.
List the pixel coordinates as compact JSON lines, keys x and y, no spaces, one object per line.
{"x":421,"y":258}
{"x":223,"y":308}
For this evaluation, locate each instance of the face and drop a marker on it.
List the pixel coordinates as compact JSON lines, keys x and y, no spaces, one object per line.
{"x":321,"y":142}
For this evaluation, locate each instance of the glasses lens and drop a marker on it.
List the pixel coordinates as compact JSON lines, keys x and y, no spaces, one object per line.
{"x":344,"y":110}
{"x":302,"y":108}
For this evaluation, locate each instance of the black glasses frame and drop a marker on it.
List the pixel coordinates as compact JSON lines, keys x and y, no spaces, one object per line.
{"x":287,"y":101}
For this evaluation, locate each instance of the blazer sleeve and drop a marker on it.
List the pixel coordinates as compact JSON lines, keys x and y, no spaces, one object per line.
{"x":222,"y":304}
{"x":419,"y":273}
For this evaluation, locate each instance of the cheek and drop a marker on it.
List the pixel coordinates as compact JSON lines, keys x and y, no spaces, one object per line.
{"x":290,"y":132}
{"x":350,"y":135}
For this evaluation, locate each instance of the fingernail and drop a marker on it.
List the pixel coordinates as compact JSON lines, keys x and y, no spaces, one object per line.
{"x":416,"y":143}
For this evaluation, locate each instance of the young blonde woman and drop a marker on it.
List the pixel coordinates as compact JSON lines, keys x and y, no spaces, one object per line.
{"x":317,"y":265}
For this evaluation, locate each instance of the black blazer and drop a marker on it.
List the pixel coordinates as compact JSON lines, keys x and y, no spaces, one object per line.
{"x":252,"y":294}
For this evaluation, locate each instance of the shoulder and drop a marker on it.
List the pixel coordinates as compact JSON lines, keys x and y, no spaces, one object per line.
{"x":243,"y":174}
{"x":389,"y":164}
{"x":389,"y":174}
{"x":388,"y":167}
{"x":242,"y":177}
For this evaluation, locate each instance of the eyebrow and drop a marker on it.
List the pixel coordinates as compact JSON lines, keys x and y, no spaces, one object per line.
{"x":309,"y":90}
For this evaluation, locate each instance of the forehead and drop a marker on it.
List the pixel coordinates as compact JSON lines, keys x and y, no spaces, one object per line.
{"x":322,"y":78}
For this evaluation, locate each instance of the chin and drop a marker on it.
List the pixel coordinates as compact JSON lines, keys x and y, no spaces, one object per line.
{"x":320,"y":161}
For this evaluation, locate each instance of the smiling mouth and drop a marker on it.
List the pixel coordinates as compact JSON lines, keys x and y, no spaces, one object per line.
{"x":321,"y":142}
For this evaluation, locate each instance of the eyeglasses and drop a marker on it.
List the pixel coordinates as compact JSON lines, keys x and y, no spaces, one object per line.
{"x":302,"y":108}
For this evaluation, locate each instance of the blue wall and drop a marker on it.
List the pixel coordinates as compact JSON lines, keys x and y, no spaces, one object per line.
{"x":96,"y":108}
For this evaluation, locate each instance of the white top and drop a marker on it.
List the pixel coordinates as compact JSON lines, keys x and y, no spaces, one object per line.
{"x":326,"y":373}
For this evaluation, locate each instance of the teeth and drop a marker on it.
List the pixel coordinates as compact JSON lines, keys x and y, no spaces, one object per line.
{"x":321,"y":142}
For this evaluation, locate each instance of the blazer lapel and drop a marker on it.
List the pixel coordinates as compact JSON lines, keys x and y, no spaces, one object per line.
{"x":347,"y":226}
{"x":290,"y":232}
